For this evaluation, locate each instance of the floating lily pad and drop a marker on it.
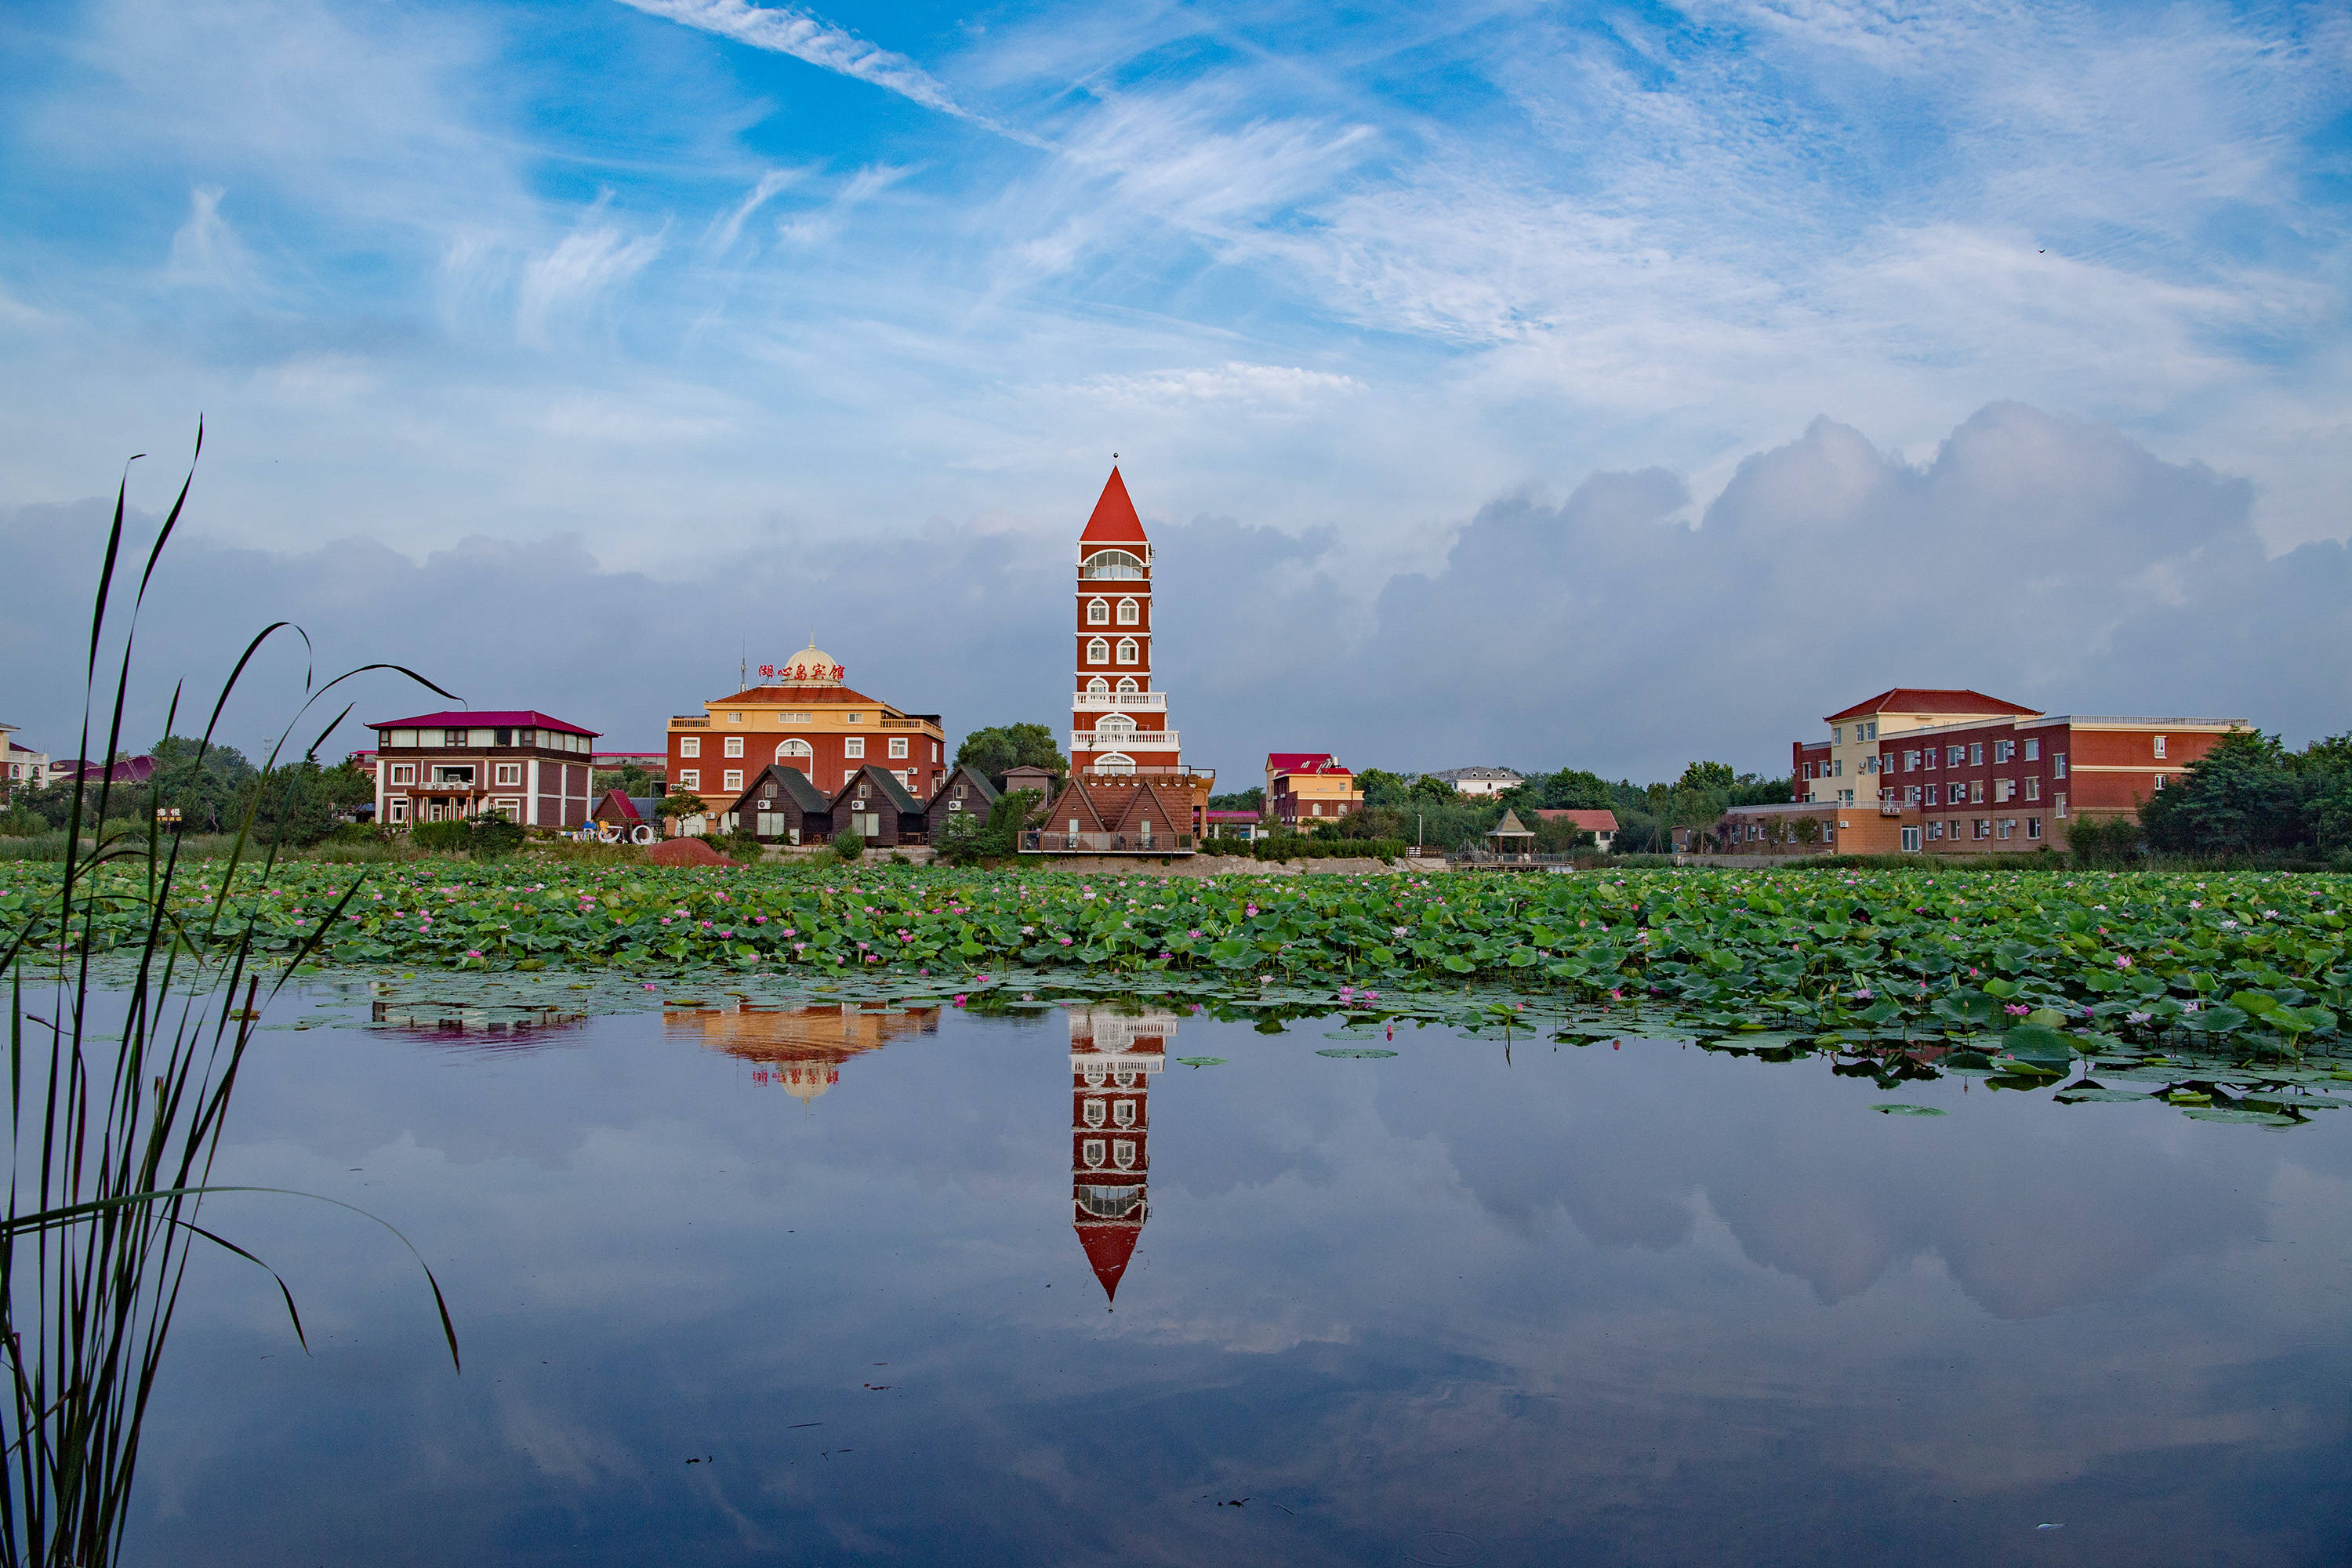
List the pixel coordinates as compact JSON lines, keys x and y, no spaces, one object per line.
{"x":2100,"y":1092}
{"x":2232,"y":1113}
{"x":1356,"y":1051}
{"x":1896,"y":1107}
{"x":1200,"y":1061}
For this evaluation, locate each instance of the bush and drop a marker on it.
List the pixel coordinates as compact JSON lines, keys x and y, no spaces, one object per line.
{"x":848,"y":846}
{"x":2114,"y":841}
{"x":448,"y":838}
{"x":494,"y":836}
{"x":18,"y":823}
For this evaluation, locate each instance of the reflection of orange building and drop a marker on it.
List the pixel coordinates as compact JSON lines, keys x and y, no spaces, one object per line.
{"x":801,"y":1049}
{"x":1112,"y":1057}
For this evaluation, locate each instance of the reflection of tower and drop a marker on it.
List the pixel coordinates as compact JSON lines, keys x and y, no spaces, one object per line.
{"x":1112,"y":1057}
{"x":801,"y":1050}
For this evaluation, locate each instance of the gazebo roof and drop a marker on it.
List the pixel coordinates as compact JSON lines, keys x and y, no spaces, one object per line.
{"x":1510,"y":826}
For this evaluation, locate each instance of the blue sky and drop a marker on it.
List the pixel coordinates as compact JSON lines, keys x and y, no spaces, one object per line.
{"x":692,"y":284}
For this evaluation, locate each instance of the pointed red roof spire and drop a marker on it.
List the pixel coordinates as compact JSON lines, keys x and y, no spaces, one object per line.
{"x":1114,"y":522}
{"x":1109,"y":1246}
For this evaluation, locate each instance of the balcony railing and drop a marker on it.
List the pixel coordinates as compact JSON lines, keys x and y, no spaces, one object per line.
{"x":1121,"y":702}
{"x":1133,"y":741}
{"x":1036,"y":842}
{"x":888,"y":723}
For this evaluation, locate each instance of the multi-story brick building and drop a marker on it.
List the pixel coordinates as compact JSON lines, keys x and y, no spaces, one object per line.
{"x":803,"y":716}
{"x":1128,"y":776}
{"x":1308,"y":787}
{"x":446,"y":766}
{"x":1114,"y":1055}
{"x":1844,"y":772}
{"x":2008,"y":784}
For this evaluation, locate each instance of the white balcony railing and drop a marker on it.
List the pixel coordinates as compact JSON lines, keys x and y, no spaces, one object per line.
{"x":1122,"y":701}
{"x":1139,"y":739}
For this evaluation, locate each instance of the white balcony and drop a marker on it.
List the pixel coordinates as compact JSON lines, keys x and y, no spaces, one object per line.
{"x":1122,"y":702}
{"x":1135,"y":740}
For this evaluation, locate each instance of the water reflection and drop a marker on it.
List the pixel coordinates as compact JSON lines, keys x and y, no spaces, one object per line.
{"x":473,"y":1025}
{"x":1113,"y":1054}
{"x":798,"y":1049}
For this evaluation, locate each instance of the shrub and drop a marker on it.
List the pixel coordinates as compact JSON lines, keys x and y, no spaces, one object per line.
{"x":18,"y":823}
{"x":848,"y":846}
{"x":2114,"y":841}
{"x":494,"y":836}
{"x":442,"y":837}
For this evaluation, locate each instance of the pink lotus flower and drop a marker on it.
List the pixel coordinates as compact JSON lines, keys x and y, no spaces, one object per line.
{"x":2122,"y":963}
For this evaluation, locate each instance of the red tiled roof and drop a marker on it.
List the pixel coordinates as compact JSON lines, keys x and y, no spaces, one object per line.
{"x":1591,"y":821}
{"x":1928,"y":700}
{"x":832,"y":695}
{"x":623,"y":807}
{"x":1114,"y":520}
{"x":467,"y":718}
{"x":1303,"y":762}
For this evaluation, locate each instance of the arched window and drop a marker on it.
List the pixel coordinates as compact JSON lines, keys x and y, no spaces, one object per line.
{"x":1098,"y":687}
{"x":1117,"y":725}
{"x":787,"y":750}
{"x":1097,"y":651}
{"x":1127,"y":686}
{"x":1114,"y":762}
{"x":1097,"y":613}
{"x":1129,"y":615}
{"x":1111,"y":564}
{"x":1126,"y":650}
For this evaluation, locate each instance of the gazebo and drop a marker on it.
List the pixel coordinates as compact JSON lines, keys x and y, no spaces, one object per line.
{"x":1510,"y":836}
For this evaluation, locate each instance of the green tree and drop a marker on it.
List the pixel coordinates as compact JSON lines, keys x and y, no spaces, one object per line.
{"x":292,"y":806}
{"x":682,"y":804}
{"x":1433,"y":789}
{"x":1381,"y":787}
{"x":1250,"y":799}
{"x":207,"y":789}
{"x":991,"y":752}
{"x":631,"y":779}
{"x":1707,"y":778}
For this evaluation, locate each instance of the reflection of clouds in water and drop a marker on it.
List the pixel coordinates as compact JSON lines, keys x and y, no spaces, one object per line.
{"x":1421,"y":1342}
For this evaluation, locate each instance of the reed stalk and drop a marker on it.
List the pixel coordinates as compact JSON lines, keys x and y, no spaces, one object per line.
{"x":115,"y":1124}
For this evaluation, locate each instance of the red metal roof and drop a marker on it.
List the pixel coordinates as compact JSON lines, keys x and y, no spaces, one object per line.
{"x":1591,"y":821}
{"x":1233,"y":817}
{"x":1114,"y":522}
{"x":1927,"y":700}
{"x":467,"y":719}
{"x":1303,"y":762}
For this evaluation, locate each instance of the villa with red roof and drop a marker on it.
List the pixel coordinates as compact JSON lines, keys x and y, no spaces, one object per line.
{"x":1846,"y":772}
{"x":459,"y":764}
{"x":1304,"y":788}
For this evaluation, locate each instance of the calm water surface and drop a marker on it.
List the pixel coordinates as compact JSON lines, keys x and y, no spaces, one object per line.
{"x":925,"y":1288}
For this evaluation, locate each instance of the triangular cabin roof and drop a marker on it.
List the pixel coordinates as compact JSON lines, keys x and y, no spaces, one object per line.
{"x":886,"y":782}
{"x":1928,"y":700}
{"x":1073,"y":800}
{"x":1177,"y":820}
{"x":1114,"y":520}
{"x":794,"y":783}
{"x":964,"y":773}
{"x":1510,"y":826}
{"x":622,"y":806}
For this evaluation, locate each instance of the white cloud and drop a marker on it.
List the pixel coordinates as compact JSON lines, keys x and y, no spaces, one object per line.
{"x":787,"y":31}
{"x":568,"y":278}
{"x":206,"y":251}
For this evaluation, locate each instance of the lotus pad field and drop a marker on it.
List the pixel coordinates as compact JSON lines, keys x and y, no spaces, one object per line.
{"x":2245,"y":960}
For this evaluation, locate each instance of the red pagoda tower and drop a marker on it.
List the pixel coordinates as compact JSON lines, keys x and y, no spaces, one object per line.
{"x":1119,"y":724}
{"x":1112,"y":1057}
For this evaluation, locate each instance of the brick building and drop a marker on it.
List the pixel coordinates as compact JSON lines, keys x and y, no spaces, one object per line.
{"x":1303,"y":788}
{"x":1114,"y":1055}
{"x":1843,"y":772}
{"x":518,"y":762}
{"x":803,"y":716}
{"x":1127,"y":776}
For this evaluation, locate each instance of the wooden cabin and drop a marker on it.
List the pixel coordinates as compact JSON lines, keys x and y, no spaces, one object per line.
{"x":782,"y":807}
{"x":876,"y":805}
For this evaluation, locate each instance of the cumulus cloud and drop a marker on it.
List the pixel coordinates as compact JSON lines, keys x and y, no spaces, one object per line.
{"x":2046,"y":560}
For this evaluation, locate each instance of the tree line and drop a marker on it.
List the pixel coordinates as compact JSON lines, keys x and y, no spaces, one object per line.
{"x":212,"y":788}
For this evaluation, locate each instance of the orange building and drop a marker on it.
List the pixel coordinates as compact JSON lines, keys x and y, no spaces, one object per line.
{"x":804,"y":715}
{"x":1308,"y":787}
{"x":798,"y":1049}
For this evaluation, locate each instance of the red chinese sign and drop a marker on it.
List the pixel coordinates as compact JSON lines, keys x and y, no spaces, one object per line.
{"x":803,"y":671}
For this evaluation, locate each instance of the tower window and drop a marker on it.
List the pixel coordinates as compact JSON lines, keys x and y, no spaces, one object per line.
{"x":1097,"y":613}
{"x":1127,"y":650}
{"x":1097,"y":651}
{"x":1130,"y":615}
{"x":1098,"y":687}
{"x":1127,"y":687}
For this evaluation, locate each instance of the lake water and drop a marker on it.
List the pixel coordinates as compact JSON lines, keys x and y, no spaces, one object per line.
{"x":878,"y":1286}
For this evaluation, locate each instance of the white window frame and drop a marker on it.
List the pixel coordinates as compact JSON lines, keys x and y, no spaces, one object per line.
{"x":793,"y":746}
{"x":403,"y":772}
{"x":1130,"y":614}
{"x":1097,"y":651}
{"x":732,"y":746}
{"x":2159,"y":743}
{"x":689,"y":745}
{"x":731,"y":781}
{"x":396,"y":809}
{"x":1098,"y":612}
{"x":899,"y":747}
{"x":1129,"y":650}
{"x":853,"y":746}
{"x":509,"y":775}
{"x":690,"y":778}
{"x":2033,"y":751}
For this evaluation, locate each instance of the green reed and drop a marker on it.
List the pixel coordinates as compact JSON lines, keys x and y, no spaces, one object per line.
{"x":115,"y":1126}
